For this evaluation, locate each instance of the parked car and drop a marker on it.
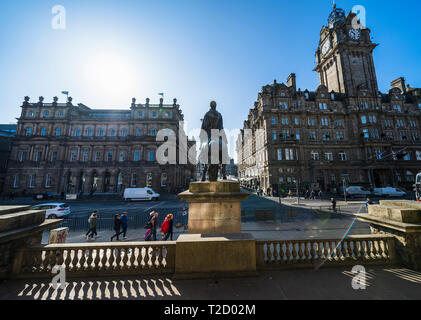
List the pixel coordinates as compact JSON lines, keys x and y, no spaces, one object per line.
{"x":389,"y":192}
{"x":140,"y":194}
{"x":357,"y":191}
{"x":43,"y":196}
{"x":53,"y":210}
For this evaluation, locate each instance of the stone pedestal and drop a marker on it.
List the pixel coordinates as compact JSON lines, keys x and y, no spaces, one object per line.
{"x":214,"y":207}
{"x":215,"y":256}
{"x":19,"y":227}
{"x":402,"y":219}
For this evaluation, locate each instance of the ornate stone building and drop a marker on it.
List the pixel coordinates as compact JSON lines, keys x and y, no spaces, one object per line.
{"x":61,"y":147}
{"x":344,"y":130}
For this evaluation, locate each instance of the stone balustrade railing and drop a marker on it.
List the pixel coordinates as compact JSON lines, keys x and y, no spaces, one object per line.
{"x":97,"y":259}
{"x":154,"y":258}
{"x":353,"y":250}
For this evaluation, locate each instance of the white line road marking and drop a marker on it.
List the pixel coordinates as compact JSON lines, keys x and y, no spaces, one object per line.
{"x":158,"y":204}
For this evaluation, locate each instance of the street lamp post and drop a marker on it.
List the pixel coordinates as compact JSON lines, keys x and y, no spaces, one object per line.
{"x":343,"y":181}
{"x":298,"y":191}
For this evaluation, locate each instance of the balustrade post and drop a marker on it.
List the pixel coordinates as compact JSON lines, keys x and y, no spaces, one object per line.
{"x":17,"y":263}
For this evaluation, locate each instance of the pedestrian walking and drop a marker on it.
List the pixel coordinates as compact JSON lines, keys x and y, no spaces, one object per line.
{"x":368,"y":202}
{"x":124,"y":224}
{"x":307,"y":195}
{"x":154,"y":222}
{"x":92,"y":225}
{"x":333,"y":201}
{"x":117,"y":225}
{"x":312,"y":195}
{"x":320,"y":194}
{"x":148,"y":227}
{"x":167,"y":227}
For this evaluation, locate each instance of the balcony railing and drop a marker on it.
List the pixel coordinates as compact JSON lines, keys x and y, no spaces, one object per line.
{"x":96,"y":259}
{"x":154,"y":258}
{"x":371,"y":249}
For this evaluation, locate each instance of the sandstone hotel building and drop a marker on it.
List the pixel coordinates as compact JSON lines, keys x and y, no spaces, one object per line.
{"x":345,"y":130}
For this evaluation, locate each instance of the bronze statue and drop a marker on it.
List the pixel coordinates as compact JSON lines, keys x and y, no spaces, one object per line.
{"x":213,"y":121}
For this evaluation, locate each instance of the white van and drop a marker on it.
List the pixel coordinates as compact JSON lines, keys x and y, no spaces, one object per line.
{"x":140,"y":194}
{"x":356,"y":191}
{"x":389,"y":192}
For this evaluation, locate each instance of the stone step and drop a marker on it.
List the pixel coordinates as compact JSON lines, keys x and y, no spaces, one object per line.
{"x":12,"y":209}
{"x":407,"y":204}
{"x":22,"y":219}
{"x":395,"y":213}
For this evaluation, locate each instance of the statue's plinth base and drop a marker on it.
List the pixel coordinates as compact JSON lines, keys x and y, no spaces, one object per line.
{"x":214,"y":207}
{"x":215,"y":256}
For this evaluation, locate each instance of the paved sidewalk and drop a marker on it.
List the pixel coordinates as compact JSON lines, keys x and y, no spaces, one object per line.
{"x":325,"y":284}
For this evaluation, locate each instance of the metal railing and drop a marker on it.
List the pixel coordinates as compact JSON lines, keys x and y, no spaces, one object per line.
{"x":135,"y":221}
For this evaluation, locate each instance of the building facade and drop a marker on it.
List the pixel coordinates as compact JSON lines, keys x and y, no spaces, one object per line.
{"x":345,"y":130}
{"x":7,"y":133}
{"x":61,"y":147}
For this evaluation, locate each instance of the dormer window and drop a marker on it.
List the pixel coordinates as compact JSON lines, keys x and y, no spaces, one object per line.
{"x":397,"y":108}
{"x":332,"y":96}
{"x":46,"y":113}
{"x":307,"y":95}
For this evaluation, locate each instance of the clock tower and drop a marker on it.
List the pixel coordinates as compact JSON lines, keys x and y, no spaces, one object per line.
{"x":345,"y":55}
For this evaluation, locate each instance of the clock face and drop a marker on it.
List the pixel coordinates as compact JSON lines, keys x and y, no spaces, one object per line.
{"x":354,"y":34}
{"x":326,"y":46}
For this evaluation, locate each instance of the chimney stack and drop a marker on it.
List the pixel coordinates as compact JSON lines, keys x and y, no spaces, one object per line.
{"x":291,"y":81}
{"x":399,"y":83}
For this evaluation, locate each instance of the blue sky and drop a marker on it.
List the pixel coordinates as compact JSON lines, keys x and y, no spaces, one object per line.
{"x":193,"y":50}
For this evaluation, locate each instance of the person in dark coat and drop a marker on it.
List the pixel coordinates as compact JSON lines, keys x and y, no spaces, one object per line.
{"x":92,"y":225}
{"x":117,"y":224}
{"x":333,"y":201}
{"x":124,"y":224}
{"x":154,"y":222}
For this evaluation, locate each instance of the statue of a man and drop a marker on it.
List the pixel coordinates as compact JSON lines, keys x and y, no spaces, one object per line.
{"x":211,"y":122}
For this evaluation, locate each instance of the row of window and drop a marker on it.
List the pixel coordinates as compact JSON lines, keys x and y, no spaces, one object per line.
{"x":312,"y":135}
{"x":290,"y":155}
{"x":85,"y":156}
{"x":100,"y":132}
{"x":310,"y":122}
{"x":32,"y":181}
{"x":373,"y":133}
{"x":46,"y":113}
{"x":388,"y":123}
{"x":47,"y":182}
{"x":60,"y":114}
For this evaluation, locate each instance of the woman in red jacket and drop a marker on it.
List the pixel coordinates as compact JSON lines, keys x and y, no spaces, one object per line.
{"x":167,"y":227}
